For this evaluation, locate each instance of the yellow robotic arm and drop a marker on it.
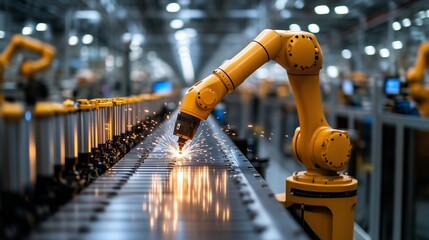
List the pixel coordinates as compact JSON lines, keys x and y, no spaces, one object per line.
{"x":326,"y":196}
{"x":300,"y":54}
{"x":29,"y":67}
{"x":415,"y":77}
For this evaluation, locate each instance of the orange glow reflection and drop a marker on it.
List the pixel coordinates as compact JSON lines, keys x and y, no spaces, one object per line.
{"x":195,"y":192}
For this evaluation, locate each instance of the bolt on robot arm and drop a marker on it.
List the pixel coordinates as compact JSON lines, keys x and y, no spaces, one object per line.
{"x":300,"y":54}
{"x":29,"y":67}
{"x":415,"y":77}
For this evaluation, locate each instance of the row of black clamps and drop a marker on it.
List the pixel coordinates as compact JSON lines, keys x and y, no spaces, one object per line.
{"x":50,"y":152}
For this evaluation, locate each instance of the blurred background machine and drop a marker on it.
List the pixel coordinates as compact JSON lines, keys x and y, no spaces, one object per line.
{"x":97,"y":59}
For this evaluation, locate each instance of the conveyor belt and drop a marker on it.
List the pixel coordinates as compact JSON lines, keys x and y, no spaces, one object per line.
{"x":151,"y":195}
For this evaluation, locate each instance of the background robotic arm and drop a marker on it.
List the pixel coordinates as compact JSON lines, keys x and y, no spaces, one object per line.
{"x":415,"y":78}
{"x":29,"y":67}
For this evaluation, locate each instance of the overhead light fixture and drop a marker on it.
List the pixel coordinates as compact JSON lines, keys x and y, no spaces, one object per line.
{"x":418,"y":21}
{"x":299,"y":4}
{"x":294,"y":27}
{"x":176,"y":24}
{"x":421,"y":14}
{"x":172,"y":7}
{"x":87,"y":39}
{"x":370,"y":50}
{"x":321,"y":9}
{"x":40,"y":27}
{"x":280,"y":4}
{"x":396,"y":26}
{"x":73,"y":40}
{"x":347,"y":54}
{"x":341,"y":10}
{"x":397,"y":44}
{"x":384,"y":52}
{"x":332,"y":71}
{"x":2,"y":34}
{"x":91,"y":15}
{"x":285,"y":13}
{"x":27,"y":30}
{"x":314,"y":28}
{"x":406,"y":22}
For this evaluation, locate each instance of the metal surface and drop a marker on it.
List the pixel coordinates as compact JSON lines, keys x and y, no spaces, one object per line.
{"x":16,"y":174}
{"x":59,"y":144}
{"x":94,"y":127}
{"x":102,"y":130}
{"x":84,"y":133}
{"x":70,"y":135}
{"x":150,"y":194}
{"x":116,"y":120}
{"x":44,"y":142}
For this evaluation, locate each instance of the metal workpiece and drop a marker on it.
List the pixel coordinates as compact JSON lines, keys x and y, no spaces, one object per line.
{"x":84,"y":126}
{"x":129,"y":115}
{"x":70,"y":133}
{"x":102,"y":122}
{"x":14,"y":158}
{"x":109,"y":122}
{"x":70,"y":129}
{"x":213,"y":193}
{"x":94,"y":114}
{"x":84,"y":132}
{"x":123,"y":115}
{"x":59,"y":140}
{"x":117,"y":117}
{"x":44,"y":138}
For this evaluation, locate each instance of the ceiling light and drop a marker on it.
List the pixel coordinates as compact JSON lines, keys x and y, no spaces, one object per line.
{"x":280,"y":4}
{"x":2,"y":34}
{"x":285,"y":13}
{"x":396,"y":26}
{"x":180,"y":35}
{"x":176,"y":24}
{"x":299,"y":4}
{"x":418,"y":21}
{"x":341,"y":10}
{"x":421,"y":14}
{"x":73,"y":40}
{"x":397,"y":44}
{"x":41,"y":27}
{"x":369,"y":50}
{"x":172,"y":7}
{"x":27,"y":30}
{"x":347,"y":54}
{"x":314,"y":28}
{"x":294,"y":27}
{"x":384,"y":52}
{"x":87,"y":39}
{"x":406,"y":22}
{"x":332,"y":71}
{"x":321,"y":9}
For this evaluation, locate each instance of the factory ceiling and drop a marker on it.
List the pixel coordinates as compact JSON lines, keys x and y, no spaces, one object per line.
{"x":194,"y":29}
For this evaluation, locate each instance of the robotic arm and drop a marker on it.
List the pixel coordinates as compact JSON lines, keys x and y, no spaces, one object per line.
{"x":29,"y":67}
{"x":321,"y":149}
{"x":415,"y":77}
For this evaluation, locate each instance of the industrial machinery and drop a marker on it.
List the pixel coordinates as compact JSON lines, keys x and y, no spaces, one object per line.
{"x":322,"y":197}
{"x":28,"y":67}
{"x":415,"y":78}
{"x":52,"y":151}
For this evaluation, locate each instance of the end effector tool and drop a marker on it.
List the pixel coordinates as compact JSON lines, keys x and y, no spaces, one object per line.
{"x":185,"y":128}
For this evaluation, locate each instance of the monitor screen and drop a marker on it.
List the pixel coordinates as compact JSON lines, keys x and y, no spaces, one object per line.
{"x":347,"y":87}
{"x":392,"y":86}
{"x":162,"y":87}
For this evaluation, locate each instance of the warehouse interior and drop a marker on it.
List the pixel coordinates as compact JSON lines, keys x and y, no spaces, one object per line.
{"x":203,"y":119}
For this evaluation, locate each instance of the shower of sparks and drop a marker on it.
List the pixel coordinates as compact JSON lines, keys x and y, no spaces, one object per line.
{"x":194,"y":149}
